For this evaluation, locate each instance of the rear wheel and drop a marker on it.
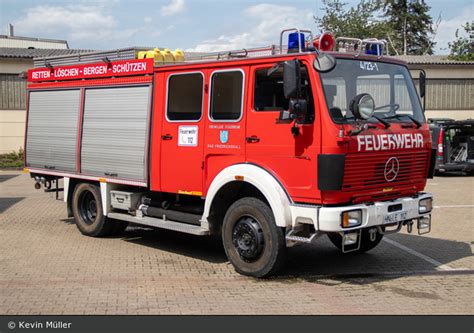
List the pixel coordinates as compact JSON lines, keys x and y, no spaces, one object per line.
{"x":366,"y":244}
{"x":88,"y":213}
{"x":252,"y":241}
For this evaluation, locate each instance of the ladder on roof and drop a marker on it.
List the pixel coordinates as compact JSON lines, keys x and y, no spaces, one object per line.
{"x":131,"y":53}
{"x":232,"y":54}
{"x":89,"y":57}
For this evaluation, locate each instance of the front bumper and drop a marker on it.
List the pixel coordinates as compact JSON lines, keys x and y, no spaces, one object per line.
{"x":328,"y":219}
{"x":466,"y":167}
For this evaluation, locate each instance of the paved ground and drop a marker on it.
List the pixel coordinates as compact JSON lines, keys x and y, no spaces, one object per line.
{"x":48,"y":267}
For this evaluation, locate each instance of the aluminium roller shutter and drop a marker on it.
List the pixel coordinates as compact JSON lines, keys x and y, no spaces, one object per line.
{"x":52,"y":129}
{"x":114,"y":132}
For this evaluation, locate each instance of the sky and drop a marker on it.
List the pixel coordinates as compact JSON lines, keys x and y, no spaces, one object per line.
{"x":193,"y":25}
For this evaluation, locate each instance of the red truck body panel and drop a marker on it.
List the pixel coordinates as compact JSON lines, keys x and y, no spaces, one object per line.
{"x":292,"y":160}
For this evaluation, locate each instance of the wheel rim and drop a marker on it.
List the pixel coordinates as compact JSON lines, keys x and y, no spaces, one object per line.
{"x":247,"y":238}
{"x":87,"y":207}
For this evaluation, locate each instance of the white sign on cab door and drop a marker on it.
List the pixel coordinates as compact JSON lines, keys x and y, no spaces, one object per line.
{"x":188,"y":136}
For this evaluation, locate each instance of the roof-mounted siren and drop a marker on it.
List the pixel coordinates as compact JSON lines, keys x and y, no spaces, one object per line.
{"x":370,"y":46}
{"x":324,"y":42}
{"x":296,"y":39}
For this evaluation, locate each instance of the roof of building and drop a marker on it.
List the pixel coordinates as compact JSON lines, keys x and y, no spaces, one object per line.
{"x":25,"y":42}
{"x":62,"y":41}
{"x":14,"y":52}
{"x":431,"y":60}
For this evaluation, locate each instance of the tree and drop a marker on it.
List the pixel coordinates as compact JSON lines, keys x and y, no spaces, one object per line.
{"x":405,"y":24}
{"x":462,"y":47}
{"x":357,"y":22}
{"x":410,"y":26}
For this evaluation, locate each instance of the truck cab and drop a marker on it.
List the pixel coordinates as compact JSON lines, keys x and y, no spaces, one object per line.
{"x":268,"y":147}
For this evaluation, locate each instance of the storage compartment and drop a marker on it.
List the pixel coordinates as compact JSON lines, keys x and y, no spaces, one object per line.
{"x":51,"y":137}
{"x":115,"y":132}
{"x":124,"y":200}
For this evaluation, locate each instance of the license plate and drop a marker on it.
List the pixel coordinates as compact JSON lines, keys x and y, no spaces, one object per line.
{"x":395,"y":217}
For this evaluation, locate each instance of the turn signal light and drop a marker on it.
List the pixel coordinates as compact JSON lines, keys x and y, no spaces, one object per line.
{"x":425,"y":205}
{"x":351,"y":218}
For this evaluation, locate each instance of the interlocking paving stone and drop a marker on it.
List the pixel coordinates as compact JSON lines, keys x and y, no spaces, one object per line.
{"x":48,"y":267}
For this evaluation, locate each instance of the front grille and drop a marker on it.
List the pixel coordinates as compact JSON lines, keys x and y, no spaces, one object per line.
{"x":365,"y":171}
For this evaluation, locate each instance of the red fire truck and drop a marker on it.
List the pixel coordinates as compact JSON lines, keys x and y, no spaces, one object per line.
{"x":268,"y":147}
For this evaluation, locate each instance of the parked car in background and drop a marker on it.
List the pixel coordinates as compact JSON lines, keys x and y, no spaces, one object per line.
{"x":455,"y":144}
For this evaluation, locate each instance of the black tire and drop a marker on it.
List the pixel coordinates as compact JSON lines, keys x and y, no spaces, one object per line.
{"x":365,"y":243}
{"x":253,"y":243}
{"x":88,"y":213}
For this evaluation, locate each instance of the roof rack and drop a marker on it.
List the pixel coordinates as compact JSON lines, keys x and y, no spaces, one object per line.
{"x":357,"y":45}
{"x":89,"y":57}
{"x":232,"y":54}
{"x":252,"y":52}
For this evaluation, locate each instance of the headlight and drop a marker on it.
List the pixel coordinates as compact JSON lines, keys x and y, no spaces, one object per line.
{"x":351,"y":218}
{"x":425,"y":205}
{"x":362,"y":106}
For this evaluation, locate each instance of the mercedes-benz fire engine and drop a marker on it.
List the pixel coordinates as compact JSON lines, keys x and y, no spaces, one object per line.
{"x":268,"y":147}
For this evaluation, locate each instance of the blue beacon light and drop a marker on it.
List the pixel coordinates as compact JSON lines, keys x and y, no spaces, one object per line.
{"x":373,"y":49}
{"x":293,"y":42}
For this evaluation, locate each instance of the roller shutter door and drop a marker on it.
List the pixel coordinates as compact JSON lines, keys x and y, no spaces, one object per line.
{"x":52,"y":129}
{"x":114,"y":133}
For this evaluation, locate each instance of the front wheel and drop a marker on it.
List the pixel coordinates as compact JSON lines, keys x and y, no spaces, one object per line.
{"x":366,"y":244}
{"x":253,"y":243}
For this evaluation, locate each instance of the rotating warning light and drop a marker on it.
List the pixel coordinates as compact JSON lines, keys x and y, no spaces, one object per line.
{"x":373,"y":49}
{"x":293,"y":43}
{"x":324,"y":42}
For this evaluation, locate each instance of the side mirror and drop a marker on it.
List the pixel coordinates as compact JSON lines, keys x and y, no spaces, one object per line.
{"x":296,"y":111}
{"x":324,"y":62}
{"x":291,"y":79}
{"x":422,"y":83}
{"x":298,"y":107}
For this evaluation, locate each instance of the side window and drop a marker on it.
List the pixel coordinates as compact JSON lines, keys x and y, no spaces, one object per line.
{"x":226,"y":95}
{"x":185,"y":97}
{"x":269,"y":96}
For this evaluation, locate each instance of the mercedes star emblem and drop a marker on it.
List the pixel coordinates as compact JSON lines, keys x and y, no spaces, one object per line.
{"x":391,"y":169}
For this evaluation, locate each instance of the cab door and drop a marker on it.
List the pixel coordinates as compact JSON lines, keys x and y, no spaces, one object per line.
{"x":272,"y":145}
{"x":182,"y":136}
{"x":225,"y":121}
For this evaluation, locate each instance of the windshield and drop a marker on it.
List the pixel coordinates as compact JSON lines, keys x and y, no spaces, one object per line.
{"x":390,"y":86}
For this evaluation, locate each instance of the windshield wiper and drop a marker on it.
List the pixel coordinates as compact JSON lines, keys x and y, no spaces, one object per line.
{"x":398,"y":116}
{"x":385,"y":123}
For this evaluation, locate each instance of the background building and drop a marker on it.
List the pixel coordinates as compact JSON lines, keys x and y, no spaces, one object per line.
{"x":449,"y":85}
{"x":449,"y":88}
{"x":16,"y":57}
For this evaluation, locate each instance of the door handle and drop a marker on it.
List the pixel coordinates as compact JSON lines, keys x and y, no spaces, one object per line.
{"x":252,"y":139}
{"x":167,"y":137}
{"x":110,"y":174}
